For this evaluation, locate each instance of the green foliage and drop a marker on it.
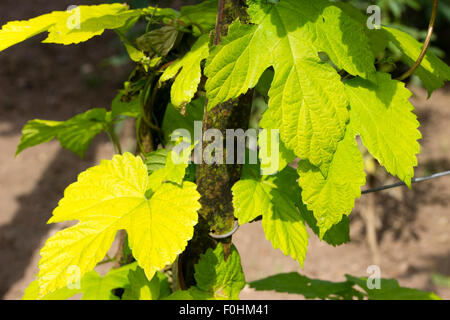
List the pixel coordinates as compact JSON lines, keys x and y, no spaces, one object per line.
{"x":332,"y":195}
{"x":92,"y":286}
{"x":320,"y":69}
{"x":307,"y":96}
{"x":319,"y":289}
{"x":174,"y":120}
{"x":186,"y":83}
{"x":63,"y":26}
{"x":271,"y":197}
{"x":74,"y":134}
{"x":391,"y":290}
{"x":216,"y":278}
{"x":202,"y":16}
{"x":140,"y":288}
{"x":375,"y":111}
{"x":309,"y":288}
{"x":125,"y":108}
{"x":115,"y":195}
{"x":433,"y":72}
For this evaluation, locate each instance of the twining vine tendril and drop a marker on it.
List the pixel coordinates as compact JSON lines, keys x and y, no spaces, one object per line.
{"x":425,"y":45}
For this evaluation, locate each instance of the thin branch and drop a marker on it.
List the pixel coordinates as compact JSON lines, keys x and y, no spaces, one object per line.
{"x":425,"y":45}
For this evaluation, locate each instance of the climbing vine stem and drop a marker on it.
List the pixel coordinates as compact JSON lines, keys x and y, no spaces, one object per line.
{"x":425,"y":45}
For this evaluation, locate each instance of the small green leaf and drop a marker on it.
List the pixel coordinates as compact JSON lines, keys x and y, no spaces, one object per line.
{"x":156,"y":160}
{"x":140,"y":288}
{"x":202,"y":14}
{"x":187,"y":80}
{"x":135,"y":54}
{"x":158,"y":42}
{"x":125,"y":108}
{"x":217,"y":278}
{"x":75,"y":134}
{"x":174,"y":120}
{"x":96,"y":287}
{"x":36,"y":132}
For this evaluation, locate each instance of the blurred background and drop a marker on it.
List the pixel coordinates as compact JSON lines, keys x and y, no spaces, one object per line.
{"x":410,"y":229}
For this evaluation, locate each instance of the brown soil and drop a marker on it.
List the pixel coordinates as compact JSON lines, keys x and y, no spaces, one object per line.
{"x":56,"y":82}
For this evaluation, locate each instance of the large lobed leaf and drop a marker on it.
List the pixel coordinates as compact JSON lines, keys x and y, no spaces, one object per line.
{"x":307,"y":96}
{"x":159,"y":218}
{"x":317,"y":114}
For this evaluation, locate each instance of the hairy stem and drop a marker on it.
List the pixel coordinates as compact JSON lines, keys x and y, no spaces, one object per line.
{"x":215,"y":181}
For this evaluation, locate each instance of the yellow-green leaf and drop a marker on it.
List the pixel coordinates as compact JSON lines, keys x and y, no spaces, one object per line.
{"x":273,"y":197}
{"x":110,"y":197}
{"x":66,"y":27}
{"x":307,"y":96}
{"x":330,"y":196}
{"x":75,"y":134}
{"x":186,"y":82}
{"x":382,"y":115}
{"x":432,"y":71}
{"x":17,"y":31}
